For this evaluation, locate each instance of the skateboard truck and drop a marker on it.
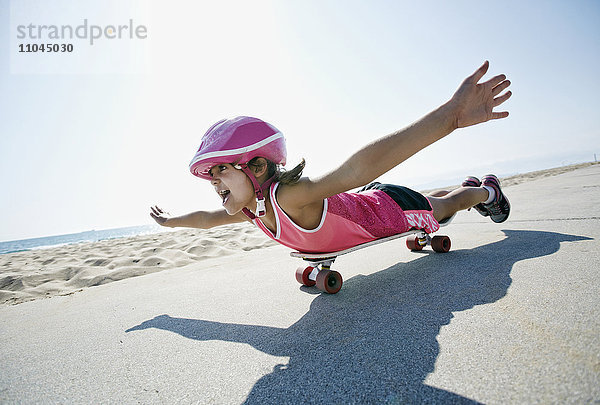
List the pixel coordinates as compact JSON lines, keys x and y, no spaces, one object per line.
{"x":319,"y":273}
{"x":439,"y":243}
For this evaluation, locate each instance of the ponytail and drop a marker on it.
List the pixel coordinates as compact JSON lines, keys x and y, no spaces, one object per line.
{"x":281,"y":175}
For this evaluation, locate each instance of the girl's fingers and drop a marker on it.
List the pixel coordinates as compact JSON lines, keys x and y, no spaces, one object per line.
{"x":479,"y":73}
{"x":500,"y":87}
{"x":502,"y":98}
{"x":494,"y":81}
{"x":498,"y":115}
{"x":157,"y":212}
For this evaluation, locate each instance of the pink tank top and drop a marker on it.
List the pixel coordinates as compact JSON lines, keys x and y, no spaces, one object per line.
{"x":348,"y":219}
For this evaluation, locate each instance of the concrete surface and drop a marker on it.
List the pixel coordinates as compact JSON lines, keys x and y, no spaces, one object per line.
{"x":510,"y":315}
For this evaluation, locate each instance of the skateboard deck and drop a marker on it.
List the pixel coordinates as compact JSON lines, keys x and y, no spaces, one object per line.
{"x":319,"y":272}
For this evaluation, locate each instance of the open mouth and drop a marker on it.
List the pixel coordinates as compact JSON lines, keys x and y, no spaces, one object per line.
{"x":224,"y":194}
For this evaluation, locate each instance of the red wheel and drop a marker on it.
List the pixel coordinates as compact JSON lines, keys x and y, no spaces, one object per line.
{"x":302,"y":276}
{"x":413,"y":244}
{"x":329,"y":281}
{"x":440,"y":244}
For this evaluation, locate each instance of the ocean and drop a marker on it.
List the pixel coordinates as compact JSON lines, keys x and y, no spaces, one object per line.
{"x":87,"y":236}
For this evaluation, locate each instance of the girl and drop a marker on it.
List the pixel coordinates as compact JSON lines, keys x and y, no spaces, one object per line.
{"x":242,"y":158}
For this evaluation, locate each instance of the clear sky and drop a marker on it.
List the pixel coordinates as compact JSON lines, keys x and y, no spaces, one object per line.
{"x":92,"y":139}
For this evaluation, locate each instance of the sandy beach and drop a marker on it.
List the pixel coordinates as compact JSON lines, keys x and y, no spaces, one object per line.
{"x":44,"y":273}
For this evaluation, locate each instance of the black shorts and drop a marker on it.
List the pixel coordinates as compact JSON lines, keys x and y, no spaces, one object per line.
{"x":406,"y":198}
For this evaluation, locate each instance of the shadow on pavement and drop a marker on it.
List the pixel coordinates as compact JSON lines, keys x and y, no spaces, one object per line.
{"x":375,"y":341}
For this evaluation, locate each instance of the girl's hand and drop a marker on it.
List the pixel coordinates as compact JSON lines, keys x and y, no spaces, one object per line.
{"x":161,"y":217}
{"x":473,"y":102}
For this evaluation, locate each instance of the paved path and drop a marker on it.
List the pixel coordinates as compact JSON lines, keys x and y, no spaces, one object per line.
{"x":510,"y":315}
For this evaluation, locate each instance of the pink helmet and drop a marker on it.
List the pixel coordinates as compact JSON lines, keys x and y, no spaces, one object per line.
{"x":237,"y":141}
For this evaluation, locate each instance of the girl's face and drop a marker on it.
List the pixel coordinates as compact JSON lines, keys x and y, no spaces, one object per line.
{"x":234,"y":188}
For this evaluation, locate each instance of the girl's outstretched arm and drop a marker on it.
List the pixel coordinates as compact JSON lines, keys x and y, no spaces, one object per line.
{"x":198,"y":219}
{"x":473,"y":103}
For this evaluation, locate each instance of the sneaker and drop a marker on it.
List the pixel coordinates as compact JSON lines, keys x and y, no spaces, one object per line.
{"x":499,"y":209}
{"x":474,"y":182}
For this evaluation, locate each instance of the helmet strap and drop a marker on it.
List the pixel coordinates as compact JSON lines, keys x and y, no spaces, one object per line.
{"x":261,"y":209}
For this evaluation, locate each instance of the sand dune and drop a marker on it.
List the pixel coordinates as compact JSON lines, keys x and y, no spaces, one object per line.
{"x":26,"y":276}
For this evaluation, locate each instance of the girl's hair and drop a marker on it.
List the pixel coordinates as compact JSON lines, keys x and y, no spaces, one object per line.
{"x":281,"y":175}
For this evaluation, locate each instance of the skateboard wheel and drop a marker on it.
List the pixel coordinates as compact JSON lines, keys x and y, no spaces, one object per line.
{"x":440,"y":244}
{"x":329,"y":281}
{"x":302,"y":274}
{"x":413,"y":244}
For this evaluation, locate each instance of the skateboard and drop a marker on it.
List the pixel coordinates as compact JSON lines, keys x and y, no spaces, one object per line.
{"x":319,"y":271}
